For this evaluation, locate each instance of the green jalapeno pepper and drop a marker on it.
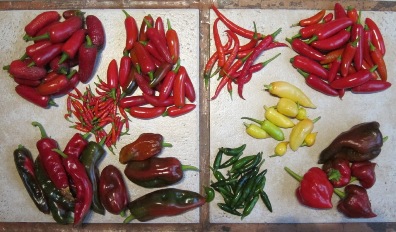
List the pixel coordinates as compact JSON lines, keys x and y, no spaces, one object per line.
{"x":265,"y":199}
{"x":233,"y":151}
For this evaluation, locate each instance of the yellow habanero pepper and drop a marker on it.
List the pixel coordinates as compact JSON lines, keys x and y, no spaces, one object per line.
{"x":287,"y":107}
{"x":272,"y":115}
{"x":300,"y":132}
{"x":287,"y":90}
{"x":256,"y":131}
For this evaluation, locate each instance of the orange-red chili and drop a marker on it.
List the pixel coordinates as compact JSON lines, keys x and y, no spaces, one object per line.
{"x":379,"y":61}
{"x":377,"y":38}
{"x":314,"y":19}
{"x":172,"y":41}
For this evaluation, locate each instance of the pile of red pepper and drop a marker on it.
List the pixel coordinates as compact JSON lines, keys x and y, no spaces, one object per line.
{"x":345,"y":160}
{"x":236,"y":64}
{"x":340,"y":53}
{"x":46,"y":69}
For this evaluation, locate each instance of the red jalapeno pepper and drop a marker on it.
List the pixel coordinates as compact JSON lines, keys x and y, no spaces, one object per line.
{"x":309,"y":66}
{"x":56,"y":85}
{"x":146,"y":112}
{"x":112,"y":190}
{"x":146,"y":63}
{"x":76,"y":145}
{"x":45,"y":55}
{"x":155,"y":101}
{"x":87,"y":54}
{"x":371,"y":86}
{"x":21,"y":69}
{"x":347,"y":57}
{"x":71,"y":46}
{"x":172,"y":41}
{"x":179,"y":87}
{"x":40,"y":21}
{"x":306,"y":50}
{"x":377,"y":38}
{"x":175,"y":111}
{"x":334,"y":42}
{"x":33,"y":48}
{"x":353,"y":80}
{"x":130,"y":101}
{"x":167,"y":84}
{"x":131,"y":30}
{"x":30,"y":94}
{"x":154,"y":37}
{"x":379,"y":61}
{"x":339,"y":11}
{"x":314,"y":19}
{"x":95,"y":31}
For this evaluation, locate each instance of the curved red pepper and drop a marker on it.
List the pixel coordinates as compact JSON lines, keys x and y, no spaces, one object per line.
{"x":55,"y":85}
{"x":146,"y":112}
{"x":335,"y":66}
{"x":143,"y":27}
{"x":95,"y":30}
{"x":40,"y":21}
{"x":190,"y":90}
{"x":76,"y":145}
{"x":87,"y":54}
{"x":233,"y":53}
{"x":34,"y":48}
{"x":154,"y":37}
{"x":30,"y":94}
{"x":328,"y":17}
{"x":379,"y":61}
{"x":332,"y":43}
{"x":347,"y":57}
{"x":377,"y":38}
{"x":179,"y":87}
{"x":131,"y":101}
{"x":112,"y":190}
{"x":156,"y":101}
{"x":45,"y":55}
{"x":71,"y":46}
{"x":338,"y":172}
{"x":131,"y":30}
{"x":143,"y":84}
{"x":319,"y":84}
{"x":309,"y":66}
{"x":307,"y":32}
{"x":314,"y":19}
{"x":331,"y":28}
{"x":352,"y":80}
{"x":174,"y":111}
{"x":306,"y":50}
{"x":372,"y":86}
{"x":219,"y":47}
{"x":172,"y":41}
{"x":146,"y":63}
{"x":21,"y":69}
{"x":366,"y":46}
{"x":357,"y":33}
{"x":167,"y":84}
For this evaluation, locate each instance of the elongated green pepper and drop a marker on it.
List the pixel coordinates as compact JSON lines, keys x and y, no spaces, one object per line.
{"x":90,"y":158}
{"x":60,"y":215}
{"x":273,"y":130}
{"x":233,"y":151}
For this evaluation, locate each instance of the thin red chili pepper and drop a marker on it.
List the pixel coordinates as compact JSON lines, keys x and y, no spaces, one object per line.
{"x":257,"y":67}
{"x":309,"y":66}
{"x":379,"y":61}
{"x":244,"y":53}
{"x":143,"y":27}
{"x":179,"y":87}
{"x":167,"y":84}
{"x":71,"y":46}
{"x":366,"y":46}
{"x":125,"y":69}
{"x":318,"y":84}
{"x":233,"y":54}
{"x":174,"y":111}
{"x":155,"y":101}
{"x":372,"y":86}
{"x":229,"y":87}
{"x":154,"y":37}
{"x":237,"y":65}
{"x":335,"y":66}
{"x":376,"y":39}
{"x":146,"y":112}
{"x":172,"y":41}
{"x":353,"y":80}
{"x":334,"y":42}
{"x":160,"y":27}
{"x":223,"y":82}
{"x":304,"y":49}
{"x":131,"y":30}
{"x":130,"y":101}
{"x":40,"y":21}
{"x":307,"y":32}
{"x":146,"y":63}
{"x":208,"y":68}
{"x":234,"y":27}
{"x":328,"y":17}
{"x":347,"y":57}
{"x":314,"y":19}
{"x":331,"y":28}
{"x":219,"y":46}
{"x":339,"y":11}
{"x":357,"y":33}
{"x":143,"y":84}
{"x":241,"y":84}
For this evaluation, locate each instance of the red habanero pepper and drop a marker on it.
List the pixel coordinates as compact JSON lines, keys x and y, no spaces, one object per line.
{"x":159,"y":26}
{"x":174,"y":111}
{"x":366,"y":46}
{"x":234,"y":27}
{"x":219,"y":46}
{"x":155,"y":101}
{"x":332,"y":43}
{"x":379,"y":61}
{"x":318,"y":84}
{"x":55,"y":85}
{"x":146,"y":63}
{"x":353,"y":80}
{"x":131,"y":30}
{"x":146,"y":112}
{"x":167,"y":84}
{"x":365,"y":173}
{"x":339,"y":11}
{"x":372,"y":86}
{"x":314,"y":19}
{"x":112,"y":190}
{"x":355,"y":203}
{"x":338,"y":171}
{"x":30,"y":94}
{"x":347,"y":57}
{"x":40,"y":21}
{"x":125,"y":69}
{"x":45,"y":55}
{"x":33,"y":48}
{"x":190,"y":91}
{"x":76,"y":145}
{"x":71,"y":46}
{"x":52,"y":162}
{"x":172,"y":41}
{"x":21,"y":69}
{"x":87,"y":54}
{"x":62,"y":31}
{"x":357,"y":33}
{"x":179,"y":87}
{"x":328,"y":17}
{"x":331,"y":28}
{"x":162,"y":48}
{"x":376,"y":38}
{"x":143,"y":84}
{"x":309,"y":66}
{"x":143,"y":27}
{"x":306,"y":50}
{"x":95,"y":31}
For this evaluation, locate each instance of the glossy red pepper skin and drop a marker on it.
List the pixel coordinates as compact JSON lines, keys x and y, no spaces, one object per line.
{"x":179,"y":87}
{"x":315,"y":189}
{"x":130,"y":101}
{"x":131,"y":30}
{"x":332,"y":43}
{"x":87,"y":55}
{"x":154,"y":37}
{"x":160,"y":27}
{"x":352,"y":80}
{"x":152,"y":50}
{"x":143,"y":84}
{"x":309,"y":66}
{"x":347,"y":57}
{"x":53,"y":86}
{"x":30,"y":94}
{"x":73,"y":82}
{"x":156,"y":102}
{"x":45,"y":55}
{"x":112,"y":190}
{"x":76,"y":145}
{"x":146,"y":112}
{"x":40,"y":21}
{"x":328,"y":17}
{"x":378,"y":59}
{"x":143,"y":27}
{"x":112,"y":75}
{"x":339,"y":11}
{"x":72,"y":12}
{"x":320,"y":85}
{"x":146,"y":63}
{"x":160,"y":73}
{"x":232,"y":54}
{"x":95,"y":31}
{"x":366,"y":46}
{"x":335,"y":66}
{"x":30,"y":83}
{"x":34,"y":48}
{"x":84,"y":192}
{"x":357,"y":33}
{"x":190,"y":90}
{"x":20,"y":69}
{"x":307,"y":32}
{"x":219,"y":47}
{"x":331,"y":28}
{"x":43,"y":31}
{"x":71,"y":46}
{"x":172,"y":41}
{"x":306,"y":50}
{"x":314,"y":19}
{"x":338,"y":171}
{"x":365,"y":173}
{"x":377,"y":38}
{"x":174,"y":111}
{"x":125,"y":69}
{"x":356,"y":204}
{"x":372,"y":86}
{"x":352,"y":14}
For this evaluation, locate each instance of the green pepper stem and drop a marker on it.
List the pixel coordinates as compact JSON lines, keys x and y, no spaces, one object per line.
{"x":101,"y":143}
{"x":316,"y":119}
{"x":265,"y":63}
{"x":254,"y":120}
{"x":147,"y":23}
{"x":164,"y":144}
{"x":339,"y":193}
{"x":189,"y":168}
{"x":293,"y":174}
{"x":129,"y":219}
{"x":61,"y":153}
{"x":42,"y":130}
{"x":273,"y":35}
{"x":126,"y":13}
{"x":86,"y":135}
{"x":169,"y":24}
{"x":384,"y":139}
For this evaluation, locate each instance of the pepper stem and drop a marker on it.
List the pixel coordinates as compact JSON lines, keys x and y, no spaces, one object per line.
{"x":126,"y":13}
{"x":164,"y":144}
{"x":189,"y":168}
{"x":273,"y":35}
{"x":339,"y":193}
{"x":254,"y":120}
{"x":42,"y":130}
{"x":293,"y":174}
{"x":265,"y":63}
{"x":61,"y":153}
{"x":129,"y":219}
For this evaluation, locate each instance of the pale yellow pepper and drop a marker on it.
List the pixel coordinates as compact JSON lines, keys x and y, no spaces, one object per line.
{"x":272,"y":115}
{"x":302,"y":113}
{"x":256,"y":131}
{"x":280,"y":149}
{"x":310,"y":139}
{"x":300,"y":132}
{"x":287,"y":90}
{"x":287,"y":107}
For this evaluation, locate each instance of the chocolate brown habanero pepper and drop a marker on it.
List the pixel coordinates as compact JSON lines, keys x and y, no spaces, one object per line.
{"x":360,"y":143}
{"x":144,"y":147}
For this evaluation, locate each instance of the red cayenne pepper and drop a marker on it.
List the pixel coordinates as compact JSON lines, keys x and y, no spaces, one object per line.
{"x":304,"y":49}
{"x":125,"y":69}
{"x":335,"y":65}
{"x":71,"y":46}
{"x":377,"y":38}
{"x":334,"y":42}
{"x":131,"y":30}
{"x":307,"y":32}
{"x":112,"y":77}
{"x":87,"y":54}
{"x":174,"y":111}
{"x":353,"y":80}
{"x":154,"y":36}
{"x":146,"y":63}
{"x":366,"y":46}
{"x":172,"y":41}
{"x":146,"y":112}
{"x":159,"y":26}
{"x":219,"y":46}
{"x":52,"y":162}
{"x":233,"y":54}
{"x":331,"y":28}
{"x":372,"y":86}
{"x":40,"y":21}
{"x":167,"y":84}
{"x":347,"y":57}
{"x":179,"y":87}
{"x":95,"y":30}
{"x":309,"y":66}
{"x":314,"y":19}
{"x":30,"y":94}
{"x":357,"y":33}
{"x":318,"y":84}
{"x":379,"y":61}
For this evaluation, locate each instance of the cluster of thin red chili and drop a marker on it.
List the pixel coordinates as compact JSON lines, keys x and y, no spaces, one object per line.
{"x":235,"y":62}
{"x":336,"y":53}
{"x":46,"y":69}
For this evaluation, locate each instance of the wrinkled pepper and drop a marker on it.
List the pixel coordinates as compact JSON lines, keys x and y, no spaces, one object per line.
{"x":163,"y":202}
{"x":112,"y":190}
{"x":355,"y":203}
{"x":144,"y":147}
{"x":360,"y":143}
{"x":365,"y":173}
{"x":315,"y":189}
{"x":25,"y":166}
{"x":338,"y":172}
{"x":156,"y":172}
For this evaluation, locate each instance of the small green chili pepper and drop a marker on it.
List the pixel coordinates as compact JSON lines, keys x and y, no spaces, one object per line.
{"x":230,"y":161}
{"x":242,"y":162}
{"x":210,"y":194}
{"x":248,"y":188}
{"x":249,"y":207}
{"x":223,"y":183}
{"x":273,"y":130}
{"x":217,"y":160}
{"x":266,"y":200}
{"x":228,"y":209}
{"x":217,"y":174}
{"x":233,"y":151}
{"x":251,"y":165}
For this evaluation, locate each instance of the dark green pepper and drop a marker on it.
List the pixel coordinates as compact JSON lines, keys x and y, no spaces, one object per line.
{"x":60,"y":215}
{"x":233,"y":151}
{"x":25,"y":166}
{"x":90,"y":157}
{"x":163,"y":202}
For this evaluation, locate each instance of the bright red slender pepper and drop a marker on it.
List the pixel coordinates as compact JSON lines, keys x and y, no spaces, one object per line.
{"x":190,"y":90}
{"x":357,"y":33}
{"x":234,"y":27}
{"x":40,"y":21}
{"x":331,"y":28}
{"x":131,"y":30}
{"x":306,"y":50}
{"x":379,"y":61}
{"x":95,"y":30}
{"x":257,"y":67}
{"x":328,"y":17}
{"x":155,"y":101}
{"x":130,"y":101}
{"x":160,"y":27}
{"x":332,"y":56}
{"x":55,"y":85}
{"x":372,"y":86}
{"x":71,"y":46}
{"x":34,"y":48}
{"x":338,"y":171}
{"x":76,"y":145}
{"x":334,"y":42}
{"x":352,"y":14}
{"x":377,"y":38}
{"x":179,"y":87}
{"x":167,"y":84}
{"x":45,"y":55}
{"x":143,"y":27}
{"x":146,"y":63}
{"x":366,"y":46}
{"x":20,"y":69}
{"x":352,"y":80}
{"x":231,"y":58}
{"x":172,"y":41}
{"x":87,"y":54}
{"x":347,"y":57}
{"x":220,"y":86}
{"x":30,"y":94}
{"x":174,"y":111}
{"x":335,"y":66}
{"x":318,"y":84}
{"x":307,"y":32}
{"x":152,"y":50}
{"x":125,"y":69}
{"x":146,"y":112}
{"x":143,"y":84}
{"x":112,"y":75}
{"x":219,"y":46}
{"x":339,"y":11}
{"x":309,"y":66}
{"x":237,"y":64}
{"x":314,"y":19}
{"x":154,"y":36}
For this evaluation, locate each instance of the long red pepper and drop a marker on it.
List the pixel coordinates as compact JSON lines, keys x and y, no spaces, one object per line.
{"x":146,"y":63}
{"x":377,"y":38}
{"x":379,"y":61}
{"x":335,"y":66}
{"x":160,"y":27}
{"x":307,"y":32}
{"x":318,"y":84}
{"x":332,"y":56}
{"x":146,"y":112}
{"x":131,"y":30}
{"x":40,"y":21}
{"x":304,"y":49}
{"x":332,"y":43}
{"x":73,"y":82}
{"x":112,"y":77}
{"x":309,"y":66}
{"x":152,"y":50}
{"x":357,"y":33}
{"x":328,"y":17}
{"x":95,"y":30}
{"x":30,"y":83}
{"x":76,"y":145}
{"x":219,"y":46}
{"x":143,"y":84}
{"x":130,"y":101}
{"x":257,"y":67}
{"x":143,"y":27}
{"x":167,"y":84}
{"x":326,"y":30}
{"x":125,"y":69}
{"x":71,"y":46}
{"x":55,"y":85}
{"x":45,"y":55}
{"x":33,"y":48}
{"x":366,"y":46}
{"x":172,"y":41}
{"x":190,"y":90}
{"x":233,"y":54}
{"x":155,"y":101}
{"x":30,"y":94}
{"x":179,"y":87}
{"x":86,"y":59}
{"x":347,"y":57}
{"x":353,"y":80}
{"x":154,"y":36}
{"x":174,"y":111}
{"x":371,"y":86}
{"x":314,"y":19}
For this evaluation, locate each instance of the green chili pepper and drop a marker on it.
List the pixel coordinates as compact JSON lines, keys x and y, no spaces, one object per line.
{"x":266,"y":200}
{"x":210,"y":194}
{"x":242,"y":162}
{"x":273,"y":130}
{"x":251,"y":165}
{"x":226,"y":192}
{"x":223,"y":182}
{"x":248,"y":188}
{"x":217,"y":174}
{"x":259,"y":185}
{"x":60,"y":215}
{"x":256,"y":131}
{"x":239,"y":187}
{"x":228,"y":209}
{"x":218,"y":158}
{"x":249,"y":207}
{"x":90,"y":157}
{"x":230,"y":161}
{"x":233,"y":151}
